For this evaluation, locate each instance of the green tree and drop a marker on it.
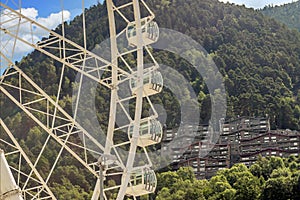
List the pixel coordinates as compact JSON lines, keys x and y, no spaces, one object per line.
{"x":68,"y":191}
{"x":219,"y":188}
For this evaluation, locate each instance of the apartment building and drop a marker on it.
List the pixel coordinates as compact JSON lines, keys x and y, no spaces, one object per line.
{"x":240,"y":141}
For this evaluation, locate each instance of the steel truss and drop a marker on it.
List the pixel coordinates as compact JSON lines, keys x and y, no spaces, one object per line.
{"x":102,"y":161}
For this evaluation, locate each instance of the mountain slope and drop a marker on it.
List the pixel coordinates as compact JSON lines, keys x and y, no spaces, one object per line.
{"x":258,"y":57}
{"x":288,"y":14}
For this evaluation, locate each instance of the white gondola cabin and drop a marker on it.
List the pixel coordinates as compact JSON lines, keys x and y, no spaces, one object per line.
{"x":142,"y":182}
{"x":150,"y":132}
{"x":150,"y":32}
{"x":153,"y":83}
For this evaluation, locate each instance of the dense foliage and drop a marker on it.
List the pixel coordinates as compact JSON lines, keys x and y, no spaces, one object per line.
{"x":268,"y":178}
{"x":288,"y":14}
{"x":258,"y":57}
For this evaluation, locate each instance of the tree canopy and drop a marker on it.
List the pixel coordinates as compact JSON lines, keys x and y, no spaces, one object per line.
{"x":281,"y":181}
{"x":287,"y":13}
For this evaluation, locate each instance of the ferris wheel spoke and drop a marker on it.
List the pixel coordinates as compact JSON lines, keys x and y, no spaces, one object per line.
{"x":64,"y":127}
{"x":40,"y":188}
{"x":118,"y":157}
{"x":70,"y":54}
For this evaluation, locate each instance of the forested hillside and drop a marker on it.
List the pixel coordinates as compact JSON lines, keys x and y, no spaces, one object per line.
{"x":258,"y":57}
{"x":288,"y":14}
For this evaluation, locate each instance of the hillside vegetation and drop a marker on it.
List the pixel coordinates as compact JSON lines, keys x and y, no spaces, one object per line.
{"x":288,"y":14}
{"x":269,"y":178}
{"x":258,"y":57}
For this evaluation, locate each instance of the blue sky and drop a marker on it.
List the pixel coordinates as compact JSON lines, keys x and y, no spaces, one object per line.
{"x":46,"y":7}
{"x":258,"y":3}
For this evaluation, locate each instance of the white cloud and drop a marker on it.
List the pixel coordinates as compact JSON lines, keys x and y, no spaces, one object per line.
{"x":54,"y":19}
{"x":32,"y":13}
{"x":258,"y":3}
{"x":25,"y":31}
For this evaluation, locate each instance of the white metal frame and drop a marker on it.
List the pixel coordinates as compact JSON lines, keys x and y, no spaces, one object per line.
{"x":41,"y":189}
{"x":57,"y":123}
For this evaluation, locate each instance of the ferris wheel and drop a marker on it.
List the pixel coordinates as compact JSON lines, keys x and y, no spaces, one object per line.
{"x":114,"y":160}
